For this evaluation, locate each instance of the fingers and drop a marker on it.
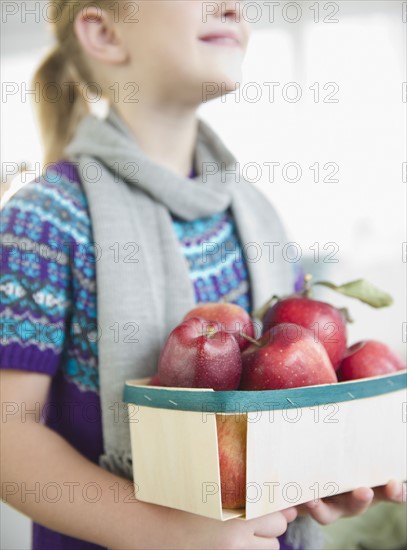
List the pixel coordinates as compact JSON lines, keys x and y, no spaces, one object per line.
{"x":353,"y":503}
{"x":394,"y":491}
{"x":303,"y":510}
{"x":256,"y":534}
{"x":271,"y":525}
{"x":290,"y":514}
{"x":322,"y":513}
{"x":349,"y":504}
{"x":359,"y":501}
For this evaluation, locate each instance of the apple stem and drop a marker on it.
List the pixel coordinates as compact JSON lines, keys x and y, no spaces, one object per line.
{"x":307,"y":289}
{"x":250,"y":339}
{"x":346,"y":314}
{"x":210,"y":331}
{"x":261,"y":312}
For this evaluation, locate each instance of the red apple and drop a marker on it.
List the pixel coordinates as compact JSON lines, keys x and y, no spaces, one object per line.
{"x":155,"y":381}
{"x":234,"y":319}
{"x":369,"y":358}
{"x":232,"y":434}
{"x":327,"y":323}
{"x":199,"y":354}
{"x":286,"y":356}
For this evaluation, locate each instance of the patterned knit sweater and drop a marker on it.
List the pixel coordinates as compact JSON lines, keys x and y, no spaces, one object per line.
{"x":48,"y":310}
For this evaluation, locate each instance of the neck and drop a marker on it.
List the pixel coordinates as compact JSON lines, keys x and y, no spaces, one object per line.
{"x":166,"y":134}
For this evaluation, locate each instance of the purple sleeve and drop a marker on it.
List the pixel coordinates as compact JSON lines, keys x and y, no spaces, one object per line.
{"x":34,"y":281}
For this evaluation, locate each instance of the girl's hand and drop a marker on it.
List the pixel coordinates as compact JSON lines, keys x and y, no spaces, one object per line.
{"x":353,"y":503}
{"x":190,"y":531}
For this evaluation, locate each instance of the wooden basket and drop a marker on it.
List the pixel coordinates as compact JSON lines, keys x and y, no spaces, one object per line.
{"x":302,"y":443}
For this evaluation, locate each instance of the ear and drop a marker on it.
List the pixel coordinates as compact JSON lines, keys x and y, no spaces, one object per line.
{"x":99,"y":36}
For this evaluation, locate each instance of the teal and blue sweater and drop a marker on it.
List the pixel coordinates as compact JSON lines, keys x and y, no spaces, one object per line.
{"x":48,"y":310}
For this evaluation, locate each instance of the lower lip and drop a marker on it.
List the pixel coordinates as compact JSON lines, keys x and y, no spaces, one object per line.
{"x":222,"y":41}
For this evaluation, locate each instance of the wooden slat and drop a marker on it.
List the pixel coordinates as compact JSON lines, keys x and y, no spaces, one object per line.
{"x":328,"y":450}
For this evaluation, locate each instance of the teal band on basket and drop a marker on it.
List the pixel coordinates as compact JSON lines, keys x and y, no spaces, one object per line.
{"x":252,"y":401}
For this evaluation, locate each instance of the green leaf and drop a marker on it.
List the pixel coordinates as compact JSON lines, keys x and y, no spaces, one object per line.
{"x":363,"y":291}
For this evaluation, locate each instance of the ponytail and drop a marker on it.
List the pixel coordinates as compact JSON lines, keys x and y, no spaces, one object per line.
{"x":65,"y":70}
{"x":58,"y":115}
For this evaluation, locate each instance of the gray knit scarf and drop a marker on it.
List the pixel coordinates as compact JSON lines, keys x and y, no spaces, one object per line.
{"x":143,"y":283}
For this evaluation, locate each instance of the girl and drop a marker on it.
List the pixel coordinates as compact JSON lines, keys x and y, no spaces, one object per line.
{"x":104,"y":254}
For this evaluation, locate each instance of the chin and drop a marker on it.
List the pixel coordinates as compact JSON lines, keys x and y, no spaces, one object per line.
{"x":231,"y":86}
{"x":230,"y":72}
{"x":220,"y":85}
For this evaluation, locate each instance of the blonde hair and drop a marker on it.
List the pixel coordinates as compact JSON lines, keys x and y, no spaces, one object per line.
{"x":64,"y":68}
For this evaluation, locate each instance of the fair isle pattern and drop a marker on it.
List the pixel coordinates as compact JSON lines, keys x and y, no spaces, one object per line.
{"x":47,"y":284}
{"x":215,"y":259}
{"x":48,"y":309}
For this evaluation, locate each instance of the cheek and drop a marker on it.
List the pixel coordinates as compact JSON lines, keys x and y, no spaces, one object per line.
{"x":177,"y":43}
{"x":171,"y":29}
